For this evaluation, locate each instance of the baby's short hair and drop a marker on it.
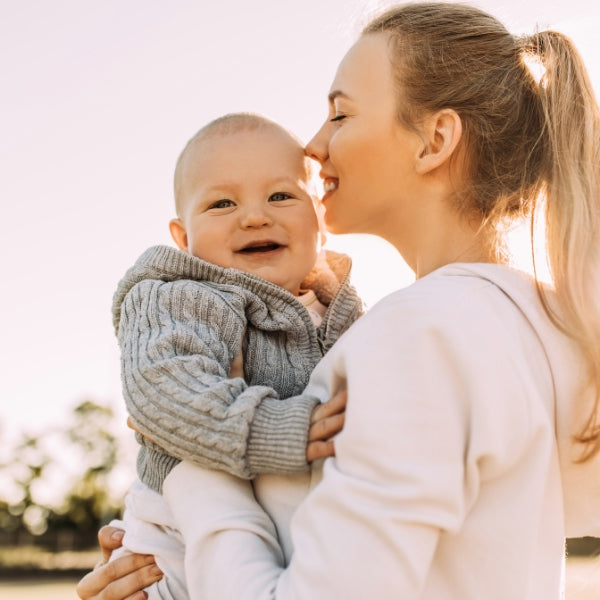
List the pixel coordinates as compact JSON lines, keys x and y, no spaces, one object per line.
{"x":226,"y":125}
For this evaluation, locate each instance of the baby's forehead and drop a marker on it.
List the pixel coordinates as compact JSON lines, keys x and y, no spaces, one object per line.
{"x":272,"y":133}
{"x":224,"y":149}
{"x":228,"y":143}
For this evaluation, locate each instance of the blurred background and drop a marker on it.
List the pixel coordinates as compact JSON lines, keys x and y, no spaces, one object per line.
{"x":98,"y":99}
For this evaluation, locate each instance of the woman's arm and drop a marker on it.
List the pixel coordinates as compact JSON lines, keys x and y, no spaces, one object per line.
{"x":404,"y":470}
{"x":370,"y":528}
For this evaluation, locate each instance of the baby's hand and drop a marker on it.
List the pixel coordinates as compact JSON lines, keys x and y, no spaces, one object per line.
{"x":326,"y":421}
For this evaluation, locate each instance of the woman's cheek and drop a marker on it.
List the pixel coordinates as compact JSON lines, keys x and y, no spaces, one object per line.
{"x":349,"y":145}
{"x":337,"y":149}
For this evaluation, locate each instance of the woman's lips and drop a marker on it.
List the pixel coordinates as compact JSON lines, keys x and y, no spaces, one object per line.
{"x":330,"y":185}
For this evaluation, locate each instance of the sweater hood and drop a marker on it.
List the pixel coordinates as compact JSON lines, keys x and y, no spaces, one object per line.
{"x":572,"y":404}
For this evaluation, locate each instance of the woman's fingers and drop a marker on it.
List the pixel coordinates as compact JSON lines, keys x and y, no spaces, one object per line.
{"x":122,"y":579}
{"x":326,"y":428}
{"x":333,"y":406}
{"x":326,"y":421}
{"x":109,"y":538}
{"x":327,"y":418}
{"x":319,"y":449}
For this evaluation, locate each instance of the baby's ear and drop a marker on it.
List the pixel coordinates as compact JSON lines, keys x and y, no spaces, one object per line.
{"x":179,"y":234}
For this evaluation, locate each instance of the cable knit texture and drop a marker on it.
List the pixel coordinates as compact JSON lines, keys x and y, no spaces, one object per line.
{"x":180,"y":323}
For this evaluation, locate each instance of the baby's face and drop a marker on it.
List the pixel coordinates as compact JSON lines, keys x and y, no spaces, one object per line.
{"x":246,"y":205}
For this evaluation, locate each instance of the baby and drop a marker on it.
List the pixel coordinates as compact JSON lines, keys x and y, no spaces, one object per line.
{"x":218,"y":338}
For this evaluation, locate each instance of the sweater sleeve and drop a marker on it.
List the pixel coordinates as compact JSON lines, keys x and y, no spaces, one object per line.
{"x":177,"y":345}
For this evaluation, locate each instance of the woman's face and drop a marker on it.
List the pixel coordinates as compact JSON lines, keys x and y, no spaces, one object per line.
{"x":367,"y":157}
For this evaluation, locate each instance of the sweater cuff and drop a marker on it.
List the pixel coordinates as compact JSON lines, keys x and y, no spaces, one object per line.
{"x":279,"y":435}
{"x":153,"y":465}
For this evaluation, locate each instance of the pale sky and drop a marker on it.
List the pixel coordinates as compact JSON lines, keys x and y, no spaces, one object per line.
{"x":98,"y":98}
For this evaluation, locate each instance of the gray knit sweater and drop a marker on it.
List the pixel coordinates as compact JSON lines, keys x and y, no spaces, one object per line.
{"x":181,"y":321}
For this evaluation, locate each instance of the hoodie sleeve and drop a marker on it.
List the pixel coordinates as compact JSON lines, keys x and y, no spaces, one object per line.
{"x":177,"y":343}
{"x":447,"y":458}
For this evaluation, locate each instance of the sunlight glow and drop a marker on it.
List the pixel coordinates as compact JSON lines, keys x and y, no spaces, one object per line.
{"x":520,"y":249}
{"x":535,"y":66}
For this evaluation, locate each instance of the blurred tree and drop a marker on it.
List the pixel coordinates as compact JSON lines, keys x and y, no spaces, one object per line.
{"x":92,"y":449}
{"x":27,"y":467}
{"x":88,"y":504}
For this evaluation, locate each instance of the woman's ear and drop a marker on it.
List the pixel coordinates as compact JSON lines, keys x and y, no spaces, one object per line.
{"x":441,"y":133}
{"x":179,"y":234}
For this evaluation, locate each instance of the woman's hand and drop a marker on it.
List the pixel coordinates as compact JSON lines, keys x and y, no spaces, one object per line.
{"x":122,"y":579}
{"x":326,"y":421}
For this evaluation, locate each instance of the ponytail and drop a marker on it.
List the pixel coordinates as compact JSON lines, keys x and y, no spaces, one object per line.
{"x":572,"y":205}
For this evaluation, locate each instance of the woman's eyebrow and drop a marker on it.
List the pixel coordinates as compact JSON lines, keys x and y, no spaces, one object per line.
{"x":337,"y":94}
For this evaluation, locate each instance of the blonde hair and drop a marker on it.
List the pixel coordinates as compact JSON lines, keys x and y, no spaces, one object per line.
{"x":531,"y":144}
{"x":229,"y":124}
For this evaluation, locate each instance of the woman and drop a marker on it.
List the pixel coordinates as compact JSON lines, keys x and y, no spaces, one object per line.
{"x":470,"y":446}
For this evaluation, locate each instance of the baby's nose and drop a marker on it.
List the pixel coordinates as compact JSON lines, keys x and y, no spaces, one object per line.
{"x":255,"y":217}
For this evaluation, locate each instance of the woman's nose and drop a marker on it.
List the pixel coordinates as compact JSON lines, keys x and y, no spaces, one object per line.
{"x":318,"y":147}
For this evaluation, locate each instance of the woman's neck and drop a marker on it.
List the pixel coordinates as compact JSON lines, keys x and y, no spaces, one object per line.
{"x":445,"y":237}
{"x":475,"y":251}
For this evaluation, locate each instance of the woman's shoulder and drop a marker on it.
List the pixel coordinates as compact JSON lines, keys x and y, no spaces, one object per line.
{"x":461,"y":292}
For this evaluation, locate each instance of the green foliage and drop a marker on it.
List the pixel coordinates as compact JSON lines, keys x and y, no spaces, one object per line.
{"x":86,"y":503}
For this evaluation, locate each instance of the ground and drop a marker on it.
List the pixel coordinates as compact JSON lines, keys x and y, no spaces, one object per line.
{"x":583,"y":583}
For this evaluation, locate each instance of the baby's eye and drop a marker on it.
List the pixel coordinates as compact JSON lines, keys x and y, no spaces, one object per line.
{"x":221,"y":204}
{"x":337,"y":118}
{"x":279,"y":196}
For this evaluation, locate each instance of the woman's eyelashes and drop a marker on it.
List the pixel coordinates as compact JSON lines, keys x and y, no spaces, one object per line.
{"x":337,"y":118}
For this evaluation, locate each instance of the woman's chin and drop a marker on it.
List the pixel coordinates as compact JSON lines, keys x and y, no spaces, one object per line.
{"x":333,"y":225}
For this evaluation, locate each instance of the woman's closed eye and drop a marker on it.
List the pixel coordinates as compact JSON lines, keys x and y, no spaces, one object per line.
{"x":337,"y":118}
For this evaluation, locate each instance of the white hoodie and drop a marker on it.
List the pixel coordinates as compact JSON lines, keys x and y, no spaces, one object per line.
{"x":453,"y":476}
